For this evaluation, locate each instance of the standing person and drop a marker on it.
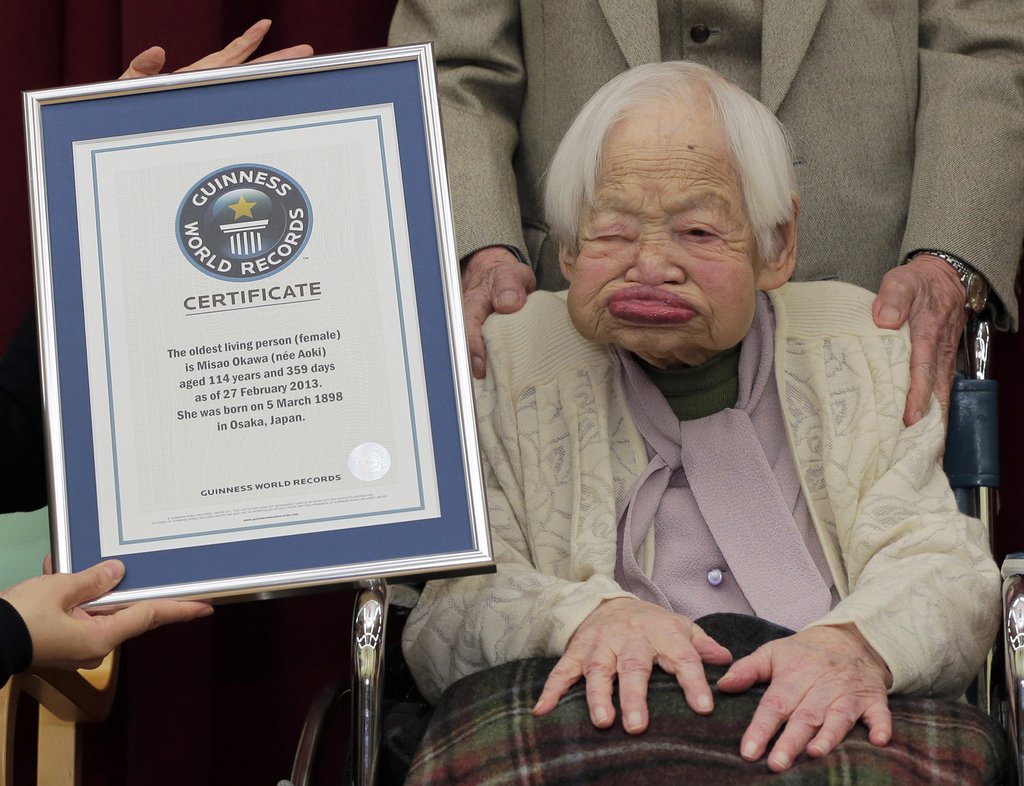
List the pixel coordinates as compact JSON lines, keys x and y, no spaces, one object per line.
{"x":41,"y":619}
{"x":907,"y":120}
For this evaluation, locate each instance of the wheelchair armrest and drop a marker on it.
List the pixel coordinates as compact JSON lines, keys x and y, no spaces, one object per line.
{"x":1013,"y":649}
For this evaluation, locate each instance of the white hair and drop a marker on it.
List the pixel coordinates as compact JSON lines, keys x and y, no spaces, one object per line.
{"x":756,"y":140}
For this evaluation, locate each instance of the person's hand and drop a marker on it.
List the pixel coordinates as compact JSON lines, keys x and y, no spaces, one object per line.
{"x":492,"y":280}
{"x":624,"y":638}
{"x":151,"y":61}
{"x":823,"y":681}
{"x":927,"y":292}
{"x":67,"y":636}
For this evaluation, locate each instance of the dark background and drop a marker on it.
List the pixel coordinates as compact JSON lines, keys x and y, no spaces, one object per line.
{"x":221,"y":701}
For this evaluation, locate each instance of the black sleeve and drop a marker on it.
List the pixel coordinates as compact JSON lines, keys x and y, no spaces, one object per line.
{"x":15,"y":643}
{"x":22,"y":442}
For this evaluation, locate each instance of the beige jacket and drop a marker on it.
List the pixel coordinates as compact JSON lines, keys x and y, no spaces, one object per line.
{"x":907,"y":120}
{"x":560,"y":451}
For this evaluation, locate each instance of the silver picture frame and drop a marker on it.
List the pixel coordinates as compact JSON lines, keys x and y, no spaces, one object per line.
{"x":355,"y":457}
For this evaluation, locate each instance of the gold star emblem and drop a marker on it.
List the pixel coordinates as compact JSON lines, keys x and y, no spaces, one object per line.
{"x":242,"y":208}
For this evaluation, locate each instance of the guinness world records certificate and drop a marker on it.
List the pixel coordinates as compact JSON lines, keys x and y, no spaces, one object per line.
{"x":254,"y":367}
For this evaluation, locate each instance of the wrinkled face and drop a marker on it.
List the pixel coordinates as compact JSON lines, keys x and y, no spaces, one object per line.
{"x":667,"y":265}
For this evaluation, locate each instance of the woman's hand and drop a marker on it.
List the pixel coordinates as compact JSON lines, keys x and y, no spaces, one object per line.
{"x":66,"y":635}
{"x":151,"y":61}
{"x":823,"y":681}
{"x":623,"y":639}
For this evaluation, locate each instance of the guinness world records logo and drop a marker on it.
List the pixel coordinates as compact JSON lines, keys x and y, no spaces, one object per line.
{"x":245,"y":221}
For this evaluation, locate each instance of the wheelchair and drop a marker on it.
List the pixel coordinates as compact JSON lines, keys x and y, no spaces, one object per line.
{"x":970,"y":461}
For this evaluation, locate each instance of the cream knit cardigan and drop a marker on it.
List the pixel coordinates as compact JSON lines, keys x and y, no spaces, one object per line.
{"x":560,"y":450}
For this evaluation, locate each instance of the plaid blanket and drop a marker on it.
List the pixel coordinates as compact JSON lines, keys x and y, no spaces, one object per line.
{"x":483,"y":732}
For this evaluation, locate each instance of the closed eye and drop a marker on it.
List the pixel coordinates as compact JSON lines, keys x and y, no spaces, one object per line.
{"x":694,"y":233}
{"x":612,"y":237}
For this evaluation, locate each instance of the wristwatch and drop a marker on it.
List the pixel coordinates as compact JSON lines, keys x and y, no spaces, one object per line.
{"x":975,"y":285}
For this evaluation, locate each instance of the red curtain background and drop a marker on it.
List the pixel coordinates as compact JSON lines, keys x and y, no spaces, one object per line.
{"x":221,"y":701}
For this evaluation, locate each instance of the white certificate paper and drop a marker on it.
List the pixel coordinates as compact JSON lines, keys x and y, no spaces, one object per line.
{"x":253,"y":353}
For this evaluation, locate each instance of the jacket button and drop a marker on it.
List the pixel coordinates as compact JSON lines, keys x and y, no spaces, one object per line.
{"x":699,"y":34}
{"x":715,"y":577}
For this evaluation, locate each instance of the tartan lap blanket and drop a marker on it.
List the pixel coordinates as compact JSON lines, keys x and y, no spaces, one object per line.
{"x":483,"y":732}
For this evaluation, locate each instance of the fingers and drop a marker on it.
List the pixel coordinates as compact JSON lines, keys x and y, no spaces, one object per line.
{"x":815,"y":726}
{"x":634,"y":673}
{"x":146,"y":63}
{"x":923,"y":371}
{"x":747,"y":672}
{"x":944,"y":374}
{"x":688,"y":668}
{"x":82,"y":640}
{"x":149,"y":615}
{"x":927,"y":293}
{"x":91,"y":583}
{"x":843,"y":716}
{"x":601,"y":670}
{"x":66,"y":635}
{"x":239,"y":50}
{"x":809,"y":720}
{"x":493,"y":280}
{"x":621,"y":641}
{"x":288,"y":53}
{"x":152,"y":61}
{"x":891,"y":307}
{"x":510,"y":285}
{"x":600,"y":676}
{"x":476,"y":307}
{"x":681,"y":651}
{"x":822,"y":682}
{"x":878,"y":719}
{"x":563,"y":676}
{"x":772,"y":712}
{"x":934,"y":337}
{"x":235,"y":52}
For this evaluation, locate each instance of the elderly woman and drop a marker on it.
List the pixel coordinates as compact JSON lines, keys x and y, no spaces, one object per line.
{"x":684,"y":436}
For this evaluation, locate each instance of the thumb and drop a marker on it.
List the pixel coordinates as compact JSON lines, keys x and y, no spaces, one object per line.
{"x":510,"y":286}
{"x":93,"y":582}
{"x":748,"y":671}
{"x":146,"y":63}
{"x":891,"y":307}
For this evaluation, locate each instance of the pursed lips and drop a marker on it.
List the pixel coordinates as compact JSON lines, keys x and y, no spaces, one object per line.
{"x":651,"y":306}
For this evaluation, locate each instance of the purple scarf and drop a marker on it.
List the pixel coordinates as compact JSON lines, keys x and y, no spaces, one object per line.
{"x":732,"y":531}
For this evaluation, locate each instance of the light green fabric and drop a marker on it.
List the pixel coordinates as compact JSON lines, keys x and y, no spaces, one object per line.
{"x":24,"y":542}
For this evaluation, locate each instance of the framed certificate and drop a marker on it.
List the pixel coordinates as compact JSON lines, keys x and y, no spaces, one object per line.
{"x":255,"y":375}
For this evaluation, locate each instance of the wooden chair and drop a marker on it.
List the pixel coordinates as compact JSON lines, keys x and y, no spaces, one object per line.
{"x":66,"y":698}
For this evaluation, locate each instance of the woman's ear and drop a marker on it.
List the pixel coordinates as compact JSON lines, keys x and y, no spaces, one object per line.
{"x":777,"y":271}
{"x":567,"y":261}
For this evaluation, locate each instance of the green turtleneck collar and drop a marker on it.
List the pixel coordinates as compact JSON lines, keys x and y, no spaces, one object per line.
{"x":698,"y":391}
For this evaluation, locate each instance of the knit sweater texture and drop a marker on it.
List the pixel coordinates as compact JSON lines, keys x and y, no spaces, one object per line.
{"x":560,"y":450}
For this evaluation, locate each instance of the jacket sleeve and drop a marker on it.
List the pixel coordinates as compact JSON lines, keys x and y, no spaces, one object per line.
{"x":481,"y":81}
{"x":968,"y":188}
{"x":923,"y":588}
{"x":15,"y":643}
{"x":22,"y":442}
{"x":544,"y":586}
